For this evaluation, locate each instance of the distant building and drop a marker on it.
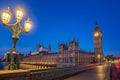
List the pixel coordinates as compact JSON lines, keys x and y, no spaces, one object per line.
{"x":42,"y":55}
{"x":20,"y":57}
{"x":98,"y":44}
{"x":68,"y":54}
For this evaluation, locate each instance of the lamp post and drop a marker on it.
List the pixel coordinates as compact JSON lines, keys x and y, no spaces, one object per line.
{"x":16,"y":29}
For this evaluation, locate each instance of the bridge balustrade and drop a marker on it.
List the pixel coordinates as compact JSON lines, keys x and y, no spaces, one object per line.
{"x":43,"y":74}
{"x":58,"y":73}
{"x":37,"y":66}
{"x":55,"y":73}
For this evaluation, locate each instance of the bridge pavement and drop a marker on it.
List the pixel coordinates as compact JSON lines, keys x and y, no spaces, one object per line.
{"x":100,"y":72}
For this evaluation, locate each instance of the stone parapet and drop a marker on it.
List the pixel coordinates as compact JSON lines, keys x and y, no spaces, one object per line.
{"x":14,"y":75}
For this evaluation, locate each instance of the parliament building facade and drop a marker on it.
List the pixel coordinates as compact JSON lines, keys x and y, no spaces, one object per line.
{"x":68,"y":54}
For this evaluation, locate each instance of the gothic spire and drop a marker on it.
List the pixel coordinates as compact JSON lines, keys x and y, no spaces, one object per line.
{"x":96,"y":26}
{"x":49,"y":47}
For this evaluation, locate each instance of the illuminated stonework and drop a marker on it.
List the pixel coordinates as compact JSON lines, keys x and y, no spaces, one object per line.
{"x":70,"y":55}
{"x":67,"y":55}
{"x":98,"y":44}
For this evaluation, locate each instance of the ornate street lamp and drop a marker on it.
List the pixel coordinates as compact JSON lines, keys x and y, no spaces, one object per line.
{"x":16,"y":29}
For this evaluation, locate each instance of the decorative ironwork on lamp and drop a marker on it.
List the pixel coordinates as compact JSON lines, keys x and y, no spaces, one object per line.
{"x":16,"y":29}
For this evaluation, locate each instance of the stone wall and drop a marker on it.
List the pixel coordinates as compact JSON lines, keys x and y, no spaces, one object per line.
{"x":14,"y":75}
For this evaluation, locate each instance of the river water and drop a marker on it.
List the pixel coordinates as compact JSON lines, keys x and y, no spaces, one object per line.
{"x":1,"y":66}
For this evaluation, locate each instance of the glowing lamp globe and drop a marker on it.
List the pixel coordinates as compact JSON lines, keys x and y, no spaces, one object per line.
{"x":19,"y":13}
{"x":27,"y":25}
{"x":6,"y":16}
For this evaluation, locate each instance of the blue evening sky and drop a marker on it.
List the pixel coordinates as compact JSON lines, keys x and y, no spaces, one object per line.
{"x":59,"y":20}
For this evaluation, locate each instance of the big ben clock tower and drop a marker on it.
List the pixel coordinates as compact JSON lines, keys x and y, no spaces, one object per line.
{"x":98,"y":44}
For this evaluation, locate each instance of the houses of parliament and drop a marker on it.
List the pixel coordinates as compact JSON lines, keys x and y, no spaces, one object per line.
{"x":68,"y":54}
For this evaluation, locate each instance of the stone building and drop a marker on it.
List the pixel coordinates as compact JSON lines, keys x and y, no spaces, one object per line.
{"x":42,"y":55}
{"x":68,"y":54}
{"x":98,"y":44}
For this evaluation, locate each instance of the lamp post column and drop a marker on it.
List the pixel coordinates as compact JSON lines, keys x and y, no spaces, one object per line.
{"x":14,"y":44}
{"x":12,"y":61}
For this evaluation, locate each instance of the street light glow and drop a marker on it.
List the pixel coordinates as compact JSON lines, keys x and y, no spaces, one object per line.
{"x":16,"y":29}
{"x":6,"y":16}
{"x":28,"y":25}
{"x":19,"y":13}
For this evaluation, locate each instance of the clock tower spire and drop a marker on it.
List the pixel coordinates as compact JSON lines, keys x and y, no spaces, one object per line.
{"x":98,"y":43}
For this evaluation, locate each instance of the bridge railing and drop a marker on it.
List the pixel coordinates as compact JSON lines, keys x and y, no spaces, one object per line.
{"x":36,"y":66}
{"x":43,"y":74}
{"x":57,"y":73}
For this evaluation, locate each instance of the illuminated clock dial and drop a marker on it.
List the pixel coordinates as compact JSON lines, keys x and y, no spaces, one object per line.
{"x":96,"y":34}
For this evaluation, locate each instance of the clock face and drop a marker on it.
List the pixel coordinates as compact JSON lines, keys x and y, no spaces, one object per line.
{"x":96,"y":34}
